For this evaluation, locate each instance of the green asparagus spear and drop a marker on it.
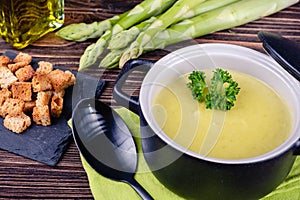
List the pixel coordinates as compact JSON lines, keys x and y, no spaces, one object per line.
{"x":112,"y":59}
{"x":91,"y":53}
{"x":232,"y":15}
{"x":122,"y":39}
{"x":171,"y":16}
{"x":228,"y":16}
{"x":140,"y":12}
{"x":206,"y":6}
{"x":81,"y":32}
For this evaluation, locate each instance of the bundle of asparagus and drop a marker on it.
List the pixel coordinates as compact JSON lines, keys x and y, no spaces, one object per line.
{"x":155,"y":24}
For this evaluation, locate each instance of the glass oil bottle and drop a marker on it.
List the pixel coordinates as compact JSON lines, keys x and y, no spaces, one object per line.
{"x":24,"y":21}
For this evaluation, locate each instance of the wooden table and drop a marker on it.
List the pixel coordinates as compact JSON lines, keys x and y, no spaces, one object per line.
{"x":23,"y":178}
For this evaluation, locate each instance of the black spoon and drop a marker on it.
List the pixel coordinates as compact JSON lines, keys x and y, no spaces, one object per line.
{"x":282,"y":50}
{"x":106,"y":143}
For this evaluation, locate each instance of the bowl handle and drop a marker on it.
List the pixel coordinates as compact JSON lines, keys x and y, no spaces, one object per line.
{"x":122,"y":98}
{"x":297,"y":148}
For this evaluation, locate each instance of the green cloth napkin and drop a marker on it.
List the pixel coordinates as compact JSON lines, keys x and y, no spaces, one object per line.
{"x":106,"y":189}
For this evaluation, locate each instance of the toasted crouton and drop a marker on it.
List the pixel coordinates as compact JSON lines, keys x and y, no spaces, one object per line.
{"x":56,"y":105}
{"x":28,"y":107}
{"x":6,"y":77}
{"x":60,"y":93}
{"x":37,"y":93}
{"x":12,"y":107}
{"x":23,"y":57}
{"x":25,"y":73}
{"x":41,"y":115}
{"x":13,"y":67}
{"x":41,"y":82}
{"x":4,"y":60}
{"x":4,"y":94}
{"x":43,"y":98}
{"x":21,"y":90}
{"x":18,"y":123}
{"x":72,"y":79}
{"x":21,"y":60}
{"x":60,"y":79}
{"x":44,"y":67}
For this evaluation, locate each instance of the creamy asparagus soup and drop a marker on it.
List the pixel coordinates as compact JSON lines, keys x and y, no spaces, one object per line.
{"x":259,"y":122}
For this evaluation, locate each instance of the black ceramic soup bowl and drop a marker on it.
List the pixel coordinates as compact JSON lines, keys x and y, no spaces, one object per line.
{"x":195,"y":176}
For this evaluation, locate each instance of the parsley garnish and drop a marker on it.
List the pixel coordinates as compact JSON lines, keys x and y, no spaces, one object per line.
{"x":220,"y":94}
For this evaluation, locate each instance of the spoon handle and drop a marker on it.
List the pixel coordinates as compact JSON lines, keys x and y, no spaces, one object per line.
{"x":139,"y":189}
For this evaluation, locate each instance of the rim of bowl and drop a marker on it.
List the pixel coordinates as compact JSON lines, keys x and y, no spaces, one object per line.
{"x":214,"y":48}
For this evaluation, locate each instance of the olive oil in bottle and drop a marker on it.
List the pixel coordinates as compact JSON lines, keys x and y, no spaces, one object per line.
{"x":24,"y":21}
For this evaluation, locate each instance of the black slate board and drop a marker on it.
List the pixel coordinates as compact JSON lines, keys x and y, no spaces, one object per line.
{"x":47,"y":144}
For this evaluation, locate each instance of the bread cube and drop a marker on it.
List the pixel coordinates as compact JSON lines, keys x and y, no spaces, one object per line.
{"x":4,"y":94}
{"x":25,"y":73}
{"x":23,"y":57}
{"x":4,"y":60}
{"x":72,"y":79}
{"x":6,"y":77}
{"x":15,"y":66}
{"x":43,"y":98}
{"x":56,"y":105}
{"x":41,"y":82}
{"x":28,"y":107}
{"x":21,"y":90}
{"x":60,"y":79}
{"x":12,"y":107}
{"x":44,"y":67}
{"x":18,"y":123}
{"x":60,"y":93}
{"x":41,"y":115}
